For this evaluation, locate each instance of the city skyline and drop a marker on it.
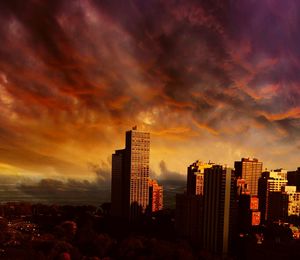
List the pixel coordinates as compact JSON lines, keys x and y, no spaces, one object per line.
{"x":150,"y":129}
{"x":210,"y":81}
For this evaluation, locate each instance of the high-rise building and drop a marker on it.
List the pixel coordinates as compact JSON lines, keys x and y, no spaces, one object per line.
{"x":117,"y":184}
{"x":218,"y":209}
{"x":262,"y":194}
{"x":206,"y":213}
{"x":155,"y":196}
{"x":249,"y":170}
{"x":294,"y":178}
{"x":130,"y":176}
{"x":189,"y":206}
{"x":270,"y":181}
{"x":195,"y":177}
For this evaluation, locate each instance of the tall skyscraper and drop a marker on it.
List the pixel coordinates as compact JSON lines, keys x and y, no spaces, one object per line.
{"x":250,"y":170}
{"x":130,"y":176}
{"x":218,"y":209}
{"x":206,"y":213}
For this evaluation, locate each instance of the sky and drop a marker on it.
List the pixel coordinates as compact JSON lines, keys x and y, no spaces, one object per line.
{"x":210,"y":80}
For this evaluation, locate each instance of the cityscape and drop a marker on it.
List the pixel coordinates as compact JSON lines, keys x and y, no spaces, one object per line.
{"x":223,"y":213}
{"x":149,"y":129}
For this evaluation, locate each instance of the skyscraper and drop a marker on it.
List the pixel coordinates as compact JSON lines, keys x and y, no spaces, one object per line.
{"x":218,"y":209}
{"x":206,"y":213}
{"x":249,"y":170}
{"x":130,"y":176}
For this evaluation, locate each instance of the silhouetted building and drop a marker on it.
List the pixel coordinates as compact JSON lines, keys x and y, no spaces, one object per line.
{"x":189,"y":206}
{"x":262,"y":194}
{"x":248,"y":207}
{"x":188,"y":217}
{"x":155,"y":196}
{"x":219,"y":208}
{"x":294,"y":178}
{"x":277,"y":206}
{"x":248,"y":213}
{"x":207,"y":212}
{"x":270,"y":181}
{"x":250,"y":170}
{"x":195,"y":177}
{"x":130,"y":176}
{"x":118,"y":182}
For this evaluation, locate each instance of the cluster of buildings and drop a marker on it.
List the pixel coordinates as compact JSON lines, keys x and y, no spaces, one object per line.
{"x":205,"y":213}
{"x":219,"y":203}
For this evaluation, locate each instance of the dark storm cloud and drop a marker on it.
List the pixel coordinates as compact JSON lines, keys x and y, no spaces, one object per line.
{"x":74,"y":72}
{"x":189,"y":51}
{"x":273,"y":40}
{"x":186,"y":43}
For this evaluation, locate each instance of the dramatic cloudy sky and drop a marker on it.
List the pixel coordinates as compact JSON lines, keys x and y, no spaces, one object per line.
{"x":211,"y":80}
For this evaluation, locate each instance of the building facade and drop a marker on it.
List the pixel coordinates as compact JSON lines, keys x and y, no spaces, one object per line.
{"x":195,"y":177}
{"x":218,"y":209}
{"x":189,"y":206}
{"x":130,"y":176}
{"x":294,"y":178}
{"x":277,"y":206}
{"x":189,"y":217}
{"x":118,"y":184}
{"x":250,"y":170}
{"x":270,"y":181}
{"x":294,"y":201}
{"x":155,"y":196}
